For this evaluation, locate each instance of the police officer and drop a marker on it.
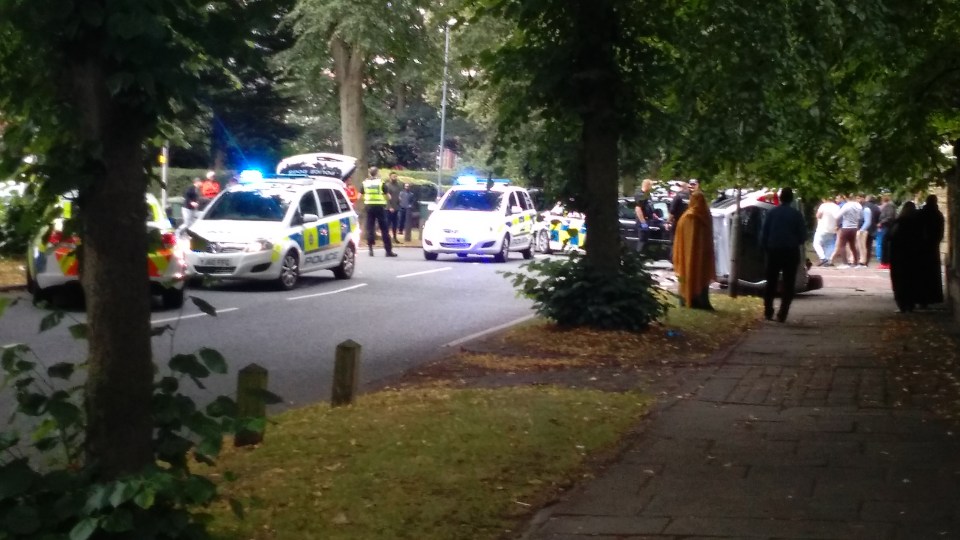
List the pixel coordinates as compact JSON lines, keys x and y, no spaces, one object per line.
{"x":375,"y":198}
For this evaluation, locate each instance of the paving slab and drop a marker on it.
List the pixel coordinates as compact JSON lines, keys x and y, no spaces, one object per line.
{"x":796,"y":433}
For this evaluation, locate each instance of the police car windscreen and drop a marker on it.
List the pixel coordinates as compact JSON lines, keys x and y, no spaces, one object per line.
{"x":248,"y":206}
{"x":481,"y":201}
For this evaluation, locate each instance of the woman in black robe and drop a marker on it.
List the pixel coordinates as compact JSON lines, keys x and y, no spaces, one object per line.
{"x":905,"y":253}
{"x":931,"y":275}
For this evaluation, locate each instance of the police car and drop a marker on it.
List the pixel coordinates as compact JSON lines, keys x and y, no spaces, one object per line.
{"x":481,"y":218}
{"x":52,"y":256}
{"x":559,"y":229}
{"x":275,"y":229}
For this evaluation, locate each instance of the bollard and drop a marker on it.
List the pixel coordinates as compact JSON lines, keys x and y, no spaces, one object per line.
{"x":345,"y":373}
{"x":251,"y":381}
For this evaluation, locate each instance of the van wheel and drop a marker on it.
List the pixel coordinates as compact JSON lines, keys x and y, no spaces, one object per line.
{"x":289,"y":271}
{"x":172,"y":298}
{"x":504,"y":252}
{"x":347,"y":265}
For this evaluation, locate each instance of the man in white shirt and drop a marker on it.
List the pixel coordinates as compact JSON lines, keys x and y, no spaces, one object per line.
{"x":825,"y":237}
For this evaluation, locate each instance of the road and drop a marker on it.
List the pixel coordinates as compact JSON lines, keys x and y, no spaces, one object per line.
{"x":403,"y":311}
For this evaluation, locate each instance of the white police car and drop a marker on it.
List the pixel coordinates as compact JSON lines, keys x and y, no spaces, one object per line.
{"x":275,"y":229}
{"x":479,"y":220}
{"x":52,"y":257}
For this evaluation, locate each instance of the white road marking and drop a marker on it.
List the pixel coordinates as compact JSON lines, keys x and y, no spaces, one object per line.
{"x":192,"y":316}
{"x":489,"y":331}
{"x":435,"y":270}
{"x":345,"y":289}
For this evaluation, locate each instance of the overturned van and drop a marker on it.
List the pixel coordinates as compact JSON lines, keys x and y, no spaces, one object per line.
{"x":754,"y":206}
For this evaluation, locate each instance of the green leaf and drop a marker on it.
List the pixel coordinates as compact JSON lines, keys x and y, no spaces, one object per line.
{"x":122,"y":492}
{"x":5,"y":303}
{"x":144,"y":498}
{"x":11,"y":354}
{"x":222,"y":406}
{"x":78,"y":331}
{"x":214,"y":361}
{"x":16,"y":478}
{"x":62,"y":370}
{"x":84,"y":529}
{"x":267,"y":396}
{"x":204,"y":306}
{"x":188,"y":365}
{"x":51,"y":321}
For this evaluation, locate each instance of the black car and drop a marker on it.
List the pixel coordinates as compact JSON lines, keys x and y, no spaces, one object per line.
{"x":660,"y":241}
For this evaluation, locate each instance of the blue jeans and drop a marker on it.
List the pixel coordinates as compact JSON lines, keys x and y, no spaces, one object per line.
{"x":881,"y":232}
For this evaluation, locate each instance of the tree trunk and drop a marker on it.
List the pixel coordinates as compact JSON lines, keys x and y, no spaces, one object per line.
{"x":600,"y":136}
{"x":348,"y":62}
{"x":115,"y":281}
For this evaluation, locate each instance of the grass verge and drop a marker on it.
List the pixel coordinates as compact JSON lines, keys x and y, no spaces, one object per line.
{"x":436,"y":463}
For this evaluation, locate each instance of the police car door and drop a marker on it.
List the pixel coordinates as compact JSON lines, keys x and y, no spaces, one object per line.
{"x":332,"y":232}
{"x":308,"y":217}
{"x":521,"y":224}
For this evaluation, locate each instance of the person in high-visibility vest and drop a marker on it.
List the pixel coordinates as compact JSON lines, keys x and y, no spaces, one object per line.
{"x":375,"y":199}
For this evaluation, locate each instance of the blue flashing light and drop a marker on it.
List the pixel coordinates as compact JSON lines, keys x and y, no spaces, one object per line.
{"x":467,"y":180}
{"x":250,"y":176}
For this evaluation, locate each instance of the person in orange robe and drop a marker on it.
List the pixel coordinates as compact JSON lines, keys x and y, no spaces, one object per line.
{"x":693,"y":259}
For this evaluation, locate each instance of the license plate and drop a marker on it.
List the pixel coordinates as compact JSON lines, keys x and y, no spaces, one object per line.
{"x":456,"y":241}
{"x":215,"y":262}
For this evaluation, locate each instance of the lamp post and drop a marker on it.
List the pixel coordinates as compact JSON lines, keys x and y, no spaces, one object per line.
{"x":443,"y":103}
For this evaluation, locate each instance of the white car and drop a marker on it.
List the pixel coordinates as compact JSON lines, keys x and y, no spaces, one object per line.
{"x":276,"y":229}
{"x":559,"y":229}
{"x":53,"y":256}
{"x":477,"y":220}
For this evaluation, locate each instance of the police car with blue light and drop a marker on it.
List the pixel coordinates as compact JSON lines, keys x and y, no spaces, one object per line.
{"x":480,"y":217}
{"x":278,"y":227}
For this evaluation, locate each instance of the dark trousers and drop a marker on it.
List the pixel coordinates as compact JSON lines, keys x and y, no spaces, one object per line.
{"x":392,"y":221}
{"x":845,"y":238}
{"x":402,"y":216}
{"x":643,"y":236}
{"x":780,"y":261}
{"x":376,"y":214}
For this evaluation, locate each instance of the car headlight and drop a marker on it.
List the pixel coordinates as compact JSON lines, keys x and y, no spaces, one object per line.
{"x":259,"y":245}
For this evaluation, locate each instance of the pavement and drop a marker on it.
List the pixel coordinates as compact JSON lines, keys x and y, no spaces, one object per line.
{"x":794,"y":433}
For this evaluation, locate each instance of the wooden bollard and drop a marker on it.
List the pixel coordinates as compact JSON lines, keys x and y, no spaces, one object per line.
{"x":345,"y":373}
{"x":251,"y":382}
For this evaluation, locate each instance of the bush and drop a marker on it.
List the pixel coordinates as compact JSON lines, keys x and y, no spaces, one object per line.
{"x":572,"y":293}
{"x":20,"y":218}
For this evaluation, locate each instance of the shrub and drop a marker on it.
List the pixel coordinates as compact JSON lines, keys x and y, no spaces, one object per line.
{"x":572,"y":293}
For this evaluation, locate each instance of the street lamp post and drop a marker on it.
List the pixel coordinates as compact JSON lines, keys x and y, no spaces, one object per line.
{"x":443,"y":103}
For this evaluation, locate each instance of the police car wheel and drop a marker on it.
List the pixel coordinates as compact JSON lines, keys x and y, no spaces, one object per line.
{"x":527,"y":253}
{"x":347,"y":265}
{"x":543,"y":242}
{"x":31,"y":283}
{"x":429,"y":256}
{"x":504,"y":252}
{"x":289,"y":271}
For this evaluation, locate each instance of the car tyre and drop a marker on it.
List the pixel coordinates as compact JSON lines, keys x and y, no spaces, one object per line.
{"x":504,"y":252}
{"x":31,"y":283}
{"x":527,"y":253}
{"x":543,"y":242}
{"x":348,"y":264}
{"x":172,"y":298}
{"x":289,"y":271}
{"x":429,"y":255}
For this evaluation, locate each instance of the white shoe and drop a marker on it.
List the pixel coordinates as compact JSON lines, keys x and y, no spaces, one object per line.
{"x":843,"y":266}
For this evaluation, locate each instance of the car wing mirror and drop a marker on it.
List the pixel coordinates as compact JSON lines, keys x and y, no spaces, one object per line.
{"x":310,"y":218}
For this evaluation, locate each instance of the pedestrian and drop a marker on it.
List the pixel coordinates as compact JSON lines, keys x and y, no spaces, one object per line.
{"x":680,"y":202}
{"x":408,"y":201}
{"x":867,"y":232}
{"x":782,"y":238}
{"x":209,"y":188}
{"x":352,"y":195}
{"x":849,"y":219}
{"x":888,"y":213}
{"x":644,"y":211}
{"x":931,"y":275}
{"x":693,"y":257}
{"x":905,"y":254}
{"x":393,"y":189}
{"x":374,"y":194}
{"x":191,"y":205}
{"x":825,"y":237}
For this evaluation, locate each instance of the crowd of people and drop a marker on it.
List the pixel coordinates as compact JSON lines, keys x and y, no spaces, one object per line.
{"x":907,"y":243}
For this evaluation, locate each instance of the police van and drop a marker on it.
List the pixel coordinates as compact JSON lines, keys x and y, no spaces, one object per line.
{"x":275,"y":229}
{"x":481,"y":218}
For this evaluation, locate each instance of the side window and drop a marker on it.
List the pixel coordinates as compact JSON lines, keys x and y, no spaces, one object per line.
{"x":512,"y":202}
{"x":524,"y":200}
{"x":308,"y":204}
{"x":342,"y":201}
{"x":328,"y":202}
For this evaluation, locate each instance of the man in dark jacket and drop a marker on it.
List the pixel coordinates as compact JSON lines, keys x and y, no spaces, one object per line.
{"x":782,"y":237}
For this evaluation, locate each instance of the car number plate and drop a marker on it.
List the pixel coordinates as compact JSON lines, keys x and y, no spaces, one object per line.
{"x":456,"y":241}
{"x":215,"y":262}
